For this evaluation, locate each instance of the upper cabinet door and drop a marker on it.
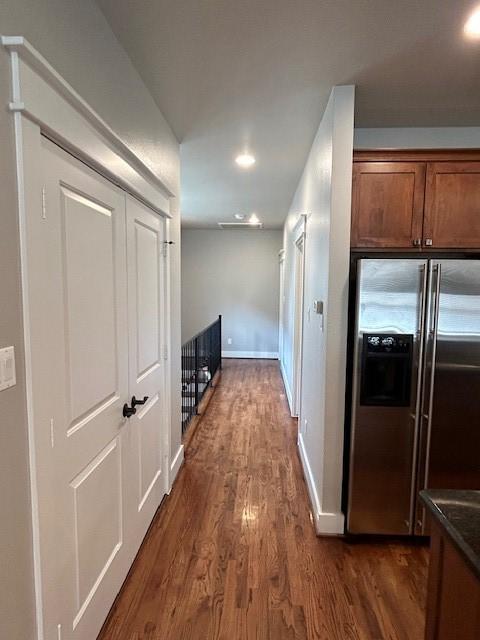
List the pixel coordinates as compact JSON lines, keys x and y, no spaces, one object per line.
{"x":387,"y":204}
{"x":452,"y":205}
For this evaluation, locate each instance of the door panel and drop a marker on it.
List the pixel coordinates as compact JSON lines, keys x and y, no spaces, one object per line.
{"x":452,"y":205}
{"x":145,"y":238}
{"x":88,"y":247}
{"x":149,"y":448}
{"x":450,"y":437}
{"x":147,"y":269}
{"x":389,"y":303}
{"x":79,"y":344}
{"x":387,"y":204}
{"x":96,"y":492}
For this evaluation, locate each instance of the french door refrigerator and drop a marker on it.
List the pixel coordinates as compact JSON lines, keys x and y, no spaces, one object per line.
{"x":416,"y":389}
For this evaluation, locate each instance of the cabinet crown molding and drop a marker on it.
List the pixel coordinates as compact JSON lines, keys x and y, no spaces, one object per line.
{"x":415,"y":155}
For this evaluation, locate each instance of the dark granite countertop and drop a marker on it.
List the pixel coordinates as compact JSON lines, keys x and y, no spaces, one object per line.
{"x":458,"y":513}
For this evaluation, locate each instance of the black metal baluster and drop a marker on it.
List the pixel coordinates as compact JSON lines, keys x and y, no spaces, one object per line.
{"x":201,"y":358}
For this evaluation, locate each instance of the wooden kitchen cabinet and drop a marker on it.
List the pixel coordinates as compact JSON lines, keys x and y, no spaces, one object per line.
{"x":421,"y":203}
{"x":452,"y":205}
{"x":453,"y":598}
{"x":387,"y":204}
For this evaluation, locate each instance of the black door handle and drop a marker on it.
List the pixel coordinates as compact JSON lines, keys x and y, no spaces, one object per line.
{"x":128,"y":412}
{"x":135,"y":401}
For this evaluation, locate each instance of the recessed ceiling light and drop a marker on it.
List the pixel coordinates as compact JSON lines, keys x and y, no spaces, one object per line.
{"x":239,"y":216}
{"x":253,"y":219}
{"x":245,"y":160}
{"x":472,"y":25}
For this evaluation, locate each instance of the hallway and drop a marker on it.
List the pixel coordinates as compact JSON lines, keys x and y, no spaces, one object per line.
{"x":232,"y":553}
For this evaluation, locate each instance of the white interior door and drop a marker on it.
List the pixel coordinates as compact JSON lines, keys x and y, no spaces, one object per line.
{"x":146,"y":284}
{"x":79,"y":341}
{"x":95,"y":292}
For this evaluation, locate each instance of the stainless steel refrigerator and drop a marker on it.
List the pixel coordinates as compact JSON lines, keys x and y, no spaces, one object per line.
{"x":416,"y":389}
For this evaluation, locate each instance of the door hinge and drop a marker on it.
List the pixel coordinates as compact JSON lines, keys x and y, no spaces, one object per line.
{"x":165,"y":352}
{"x":59,"y":632}
{"x":166,"y":244}
{"x":44,"y":204}
{"x":52,"y":433}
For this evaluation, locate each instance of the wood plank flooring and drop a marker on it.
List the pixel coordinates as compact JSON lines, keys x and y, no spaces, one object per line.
{"x":232,"y":553}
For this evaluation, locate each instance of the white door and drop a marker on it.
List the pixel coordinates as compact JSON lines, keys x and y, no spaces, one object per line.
{"x":145,"y":243}
{"x":98,"y":473}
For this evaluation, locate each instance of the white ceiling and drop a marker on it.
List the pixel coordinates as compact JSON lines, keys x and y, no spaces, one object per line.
{"x":235,"y":74}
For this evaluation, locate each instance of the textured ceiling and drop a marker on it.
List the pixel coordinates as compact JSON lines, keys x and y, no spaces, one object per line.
{"x":230,"y":75}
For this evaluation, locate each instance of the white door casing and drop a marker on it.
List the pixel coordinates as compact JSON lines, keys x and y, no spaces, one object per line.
{"x":299,"y":276}
{"x":281,"y":305}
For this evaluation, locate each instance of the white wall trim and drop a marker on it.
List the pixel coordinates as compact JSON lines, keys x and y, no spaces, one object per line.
{"x":43,"y":96}
{"x":307,"y":472}
{"x":326,"y":524}
{"x":35,"y":512}
{"x":330,"y":524}
{"x":288,"y":391}
{"x":175,"y":465}
{"x":167,"y":333}
{"x":298,"y":317}
{"x":299,"y":227}
{"x":260,"y":355}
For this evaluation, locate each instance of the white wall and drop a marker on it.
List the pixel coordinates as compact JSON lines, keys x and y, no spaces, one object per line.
{"x":235,"y":274}
{"x":418,"y":138}
{"x":75,"y":38}
{"x":324,"y":194}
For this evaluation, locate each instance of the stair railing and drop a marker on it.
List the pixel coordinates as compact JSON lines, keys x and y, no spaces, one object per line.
{"x":201,"y":359}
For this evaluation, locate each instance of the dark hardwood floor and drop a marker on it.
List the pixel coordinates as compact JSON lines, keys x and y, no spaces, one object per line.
{"x":232,"y":553}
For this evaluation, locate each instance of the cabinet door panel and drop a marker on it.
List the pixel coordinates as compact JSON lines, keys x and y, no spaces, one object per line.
{"x":452,"y":205}
{"x":387,"y":204}
{"x":453,"y":596}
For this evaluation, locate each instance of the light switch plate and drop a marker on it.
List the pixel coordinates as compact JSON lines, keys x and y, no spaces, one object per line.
{"x":7,"y":368}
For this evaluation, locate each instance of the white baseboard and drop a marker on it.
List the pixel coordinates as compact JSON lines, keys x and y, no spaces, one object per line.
{"x":260,"y":355}
{"x":176,"y":464}
{"x":330,"y":524}
{"x":287,"y":389}
{"x":307,"y":472}
{"x":326,"y":524}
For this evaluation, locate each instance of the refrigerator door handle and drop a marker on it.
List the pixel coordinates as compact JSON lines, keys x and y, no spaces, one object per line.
{"x":417,"y":415}
{"x":437,"y":271}
{"x":421,"y":306}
